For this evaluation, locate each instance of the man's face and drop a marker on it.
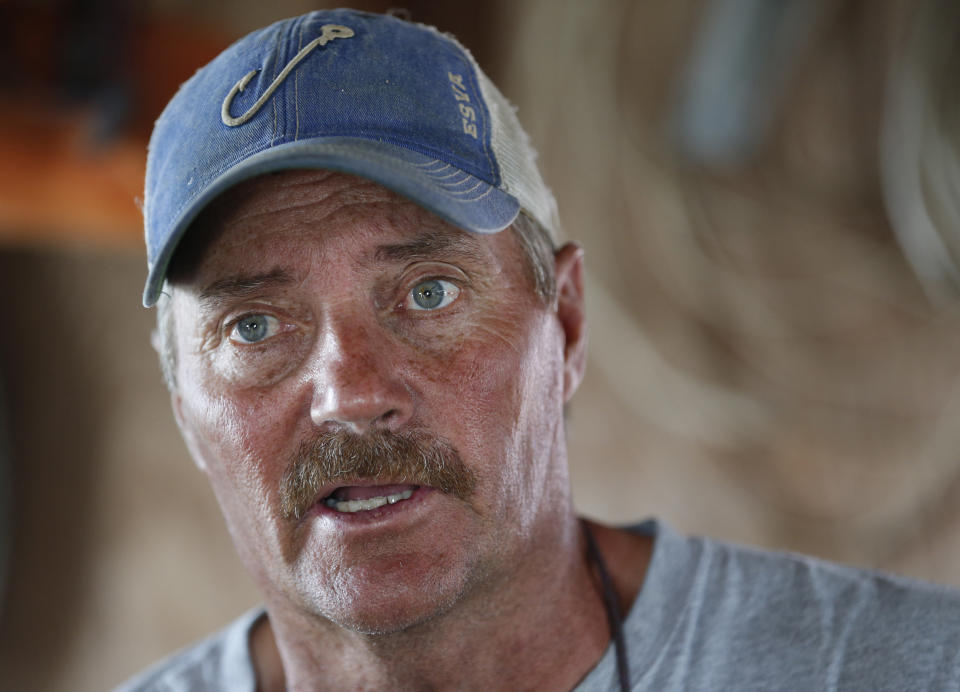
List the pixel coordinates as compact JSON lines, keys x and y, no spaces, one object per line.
{"x":326,"y":307}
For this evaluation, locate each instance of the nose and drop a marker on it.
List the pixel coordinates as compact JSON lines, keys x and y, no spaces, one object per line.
{"x":357,"y":380}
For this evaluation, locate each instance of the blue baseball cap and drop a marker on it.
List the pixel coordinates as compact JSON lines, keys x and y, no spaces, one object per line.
{"x":393,"y":101}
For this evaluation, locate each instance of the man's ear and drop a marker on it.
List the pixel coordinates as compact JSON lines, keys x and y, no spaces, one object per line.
{"x":176,"y":403}
{"x":572,"y":315}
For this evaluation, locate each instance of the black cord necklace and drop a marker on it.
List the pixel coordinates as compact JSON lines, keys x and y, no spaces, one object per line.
{"x":613,"y":609}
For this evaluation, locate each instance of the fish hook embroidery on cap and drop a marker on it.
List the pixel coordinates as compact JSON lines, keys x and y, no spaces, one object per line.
{"x":328,"y":32}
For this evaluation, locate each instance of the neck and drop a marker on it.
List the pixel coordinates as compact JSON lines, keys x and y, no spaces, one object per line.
{"x":543,"y":627}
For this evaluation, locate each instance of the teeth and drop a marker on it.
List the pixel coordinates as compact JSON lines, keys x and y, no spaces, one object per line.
{"x":363,"y":505}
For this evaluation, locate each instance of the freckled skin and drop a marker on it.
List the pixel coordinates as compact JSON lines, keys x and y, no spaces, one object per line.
{"x":489,"y":373}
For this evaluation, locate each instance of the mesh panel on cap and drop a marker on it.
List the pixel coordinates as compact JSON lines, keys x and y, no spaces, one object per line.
{"x":517,"y":158}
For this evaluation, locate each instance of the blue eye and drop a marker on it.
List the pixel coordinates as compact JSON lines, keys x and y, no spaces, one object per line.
{"x":254,"y":328}
{"x":432,"y":294}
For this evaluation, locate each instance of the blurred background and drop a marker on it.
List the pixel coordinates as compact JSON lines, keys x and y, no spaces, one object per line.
{"x":767,"y":191}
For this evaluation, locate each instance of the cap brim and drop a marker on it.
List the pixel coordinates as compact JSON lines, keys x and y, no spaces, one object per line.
{"x":450,"y":193}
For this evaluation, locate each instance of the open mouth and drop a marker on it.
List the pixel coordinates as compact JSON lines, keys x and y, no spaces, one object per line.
{"x":352,"y":498}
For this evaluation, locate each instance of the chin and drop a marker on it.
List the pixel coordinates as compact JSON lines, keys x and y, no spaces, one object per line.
{"x":392,"y":610}
{"x":386,"y":621}
{"x":385,"y":599}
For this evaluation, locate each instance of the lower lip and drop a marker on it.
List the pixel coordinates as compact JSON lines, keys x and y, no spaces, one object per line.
{"x":387,"y":511}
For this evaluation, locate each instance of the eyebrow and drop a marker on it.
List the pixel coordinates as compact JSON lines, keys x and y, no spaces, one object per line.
{"x":429,"y":245}
{"x":426,"y":246}
{"x":243,"y":285}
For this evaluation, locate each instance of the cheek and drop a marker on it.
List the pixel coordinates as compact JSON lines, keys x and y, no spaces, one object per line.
{"x":506,"y":389}
{"x":244,"y":476}
{"x":233,"y":438}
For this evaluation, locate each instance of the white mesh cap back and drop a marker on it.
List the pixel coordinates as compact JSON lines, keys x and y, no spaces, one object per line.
{"x":518,"y":159}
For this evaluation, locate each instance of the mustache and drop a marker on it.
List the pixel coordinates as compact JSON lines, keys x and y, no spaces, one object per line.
{"x":414,"y":458}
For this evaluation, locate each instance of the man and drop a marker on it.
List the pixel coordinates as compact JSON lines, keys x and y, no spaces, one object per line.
{"x":369,"y":340}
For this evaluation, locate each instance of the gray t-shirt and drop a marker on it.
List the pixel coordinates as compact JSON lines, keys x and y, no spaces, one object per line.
{"x":713,"y":616}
